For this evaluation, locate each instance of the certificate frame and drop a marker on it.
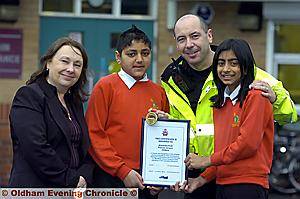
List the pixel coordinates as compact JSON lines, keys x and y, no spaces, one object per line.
{"x":165,"y":145}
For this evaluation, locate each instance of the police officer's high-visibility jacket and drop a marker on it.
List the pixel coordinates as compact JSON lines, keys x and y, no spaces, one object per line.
{"x":202,"y":129}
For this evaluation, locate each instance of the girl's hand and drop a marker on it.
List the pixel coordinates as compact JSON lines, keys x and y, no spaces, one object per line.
{"x":193,"y":161}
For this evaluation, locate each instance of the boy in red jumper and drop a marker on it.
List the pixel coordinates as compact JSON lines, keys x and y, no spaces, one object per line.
{"x":115,"y":111}
{"x":244,"y":128}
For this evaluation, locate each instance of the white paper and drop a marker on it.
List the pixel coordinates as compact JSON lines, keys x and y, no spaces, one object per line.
{"x":164,"y":150}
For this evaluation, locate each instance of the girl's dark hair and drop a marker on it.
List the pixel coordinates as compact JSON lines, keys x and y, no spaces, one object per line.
{"x":77,"y":90}
{"x":130,"y":35}
{"x":244,"y":55}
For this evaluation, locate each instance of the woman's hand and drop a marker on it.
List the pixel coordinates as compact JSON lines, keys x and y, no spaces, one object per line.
{"x":81,"y":183}
{"x":80,"y":188}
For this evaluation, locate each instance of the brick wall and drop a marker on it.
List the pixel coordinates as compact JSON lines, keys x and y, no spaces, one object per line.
{"x":5,"y":144}
{"x":29,"y":23}
{"x":165,"y":42}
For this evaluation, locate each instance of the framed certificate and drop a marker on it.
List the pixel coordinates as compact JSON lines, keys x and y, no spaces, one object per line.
{"x":165,"y":145}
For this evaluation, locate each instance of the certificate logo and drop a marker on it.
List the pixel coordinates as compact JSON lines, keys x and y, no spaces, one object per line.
{"x":165,"y":132}
{"x":164,"y":177}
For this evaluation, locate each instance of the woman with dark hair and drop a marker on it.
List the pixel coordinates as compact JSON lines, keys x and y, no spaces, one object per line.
{"x":48,"y":129}
{"x":243,"y":127}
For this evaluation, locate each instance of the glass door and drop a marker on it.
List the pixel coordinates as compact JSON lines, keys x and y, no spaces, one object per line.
{"x":287,"y":58}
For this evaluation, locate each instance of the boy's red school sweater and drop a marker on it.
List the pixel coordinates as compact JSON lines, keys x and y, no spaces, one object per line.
{"x":114,"y":118}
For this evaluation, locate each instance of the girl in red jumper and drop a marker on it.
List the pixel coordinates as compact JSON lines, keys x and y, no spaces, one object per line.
{"x":244,"y":128}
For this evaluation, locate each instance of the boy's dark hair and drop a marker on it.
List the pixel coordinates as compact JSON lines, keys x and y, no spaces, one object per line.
{"x":244,"y":55}
{"x":129,"y":35}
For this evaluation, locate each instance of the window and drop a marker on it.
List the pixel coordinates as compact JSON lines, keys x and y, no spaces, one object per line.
{"x":58,"y":5}
{"x":287,"y":57}
{"x":133,"y":7}
{"x":286,"y":38}
{"x":124,"y":9}
{"x":99,"y":7}
{"x":289,"y":74}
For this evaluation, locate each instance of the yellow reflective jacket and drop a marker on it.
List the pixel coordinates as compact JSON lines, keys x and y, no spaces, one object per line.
{"x":202,"y":135}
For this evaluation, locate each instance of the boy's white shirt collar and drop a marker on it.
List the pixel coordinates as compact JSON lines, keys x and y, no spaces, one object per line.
{"x":232,"y":96}
{"x":129,"y":80}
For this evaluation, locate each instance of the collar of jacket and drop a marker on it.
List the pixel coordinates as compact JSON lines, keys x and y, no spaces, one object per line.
{"x":49,"y":90}
{"x":171,"y":68}
{"x":167,"y":73}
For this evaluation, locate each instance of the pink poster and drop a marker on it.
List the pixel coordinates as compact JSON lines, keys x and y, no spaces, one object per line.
{"x":11,"y":53}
